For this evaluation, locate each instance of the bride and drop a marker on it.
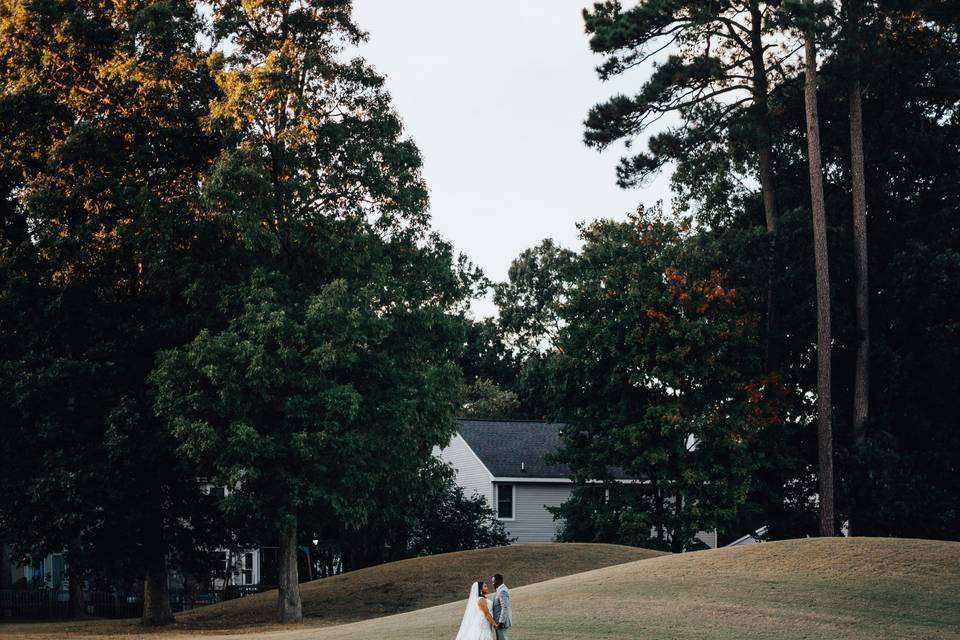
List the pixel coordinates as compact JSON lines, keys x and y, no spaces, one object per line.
{"x":478,"y":623}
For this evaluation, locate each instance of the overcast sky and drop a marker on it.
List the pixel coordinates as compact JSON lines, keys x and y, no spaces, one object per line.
{"x":494,"y":93}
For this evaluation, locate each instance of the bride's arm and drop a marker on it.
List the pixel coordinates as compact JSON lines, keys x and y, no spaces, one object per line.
{"x":486,"y":612}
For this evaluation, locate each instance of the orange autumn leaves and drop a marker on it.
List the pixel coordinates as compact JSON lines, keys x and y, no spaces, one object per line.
{"x":708,"y":301}
{"x":697,"y":296}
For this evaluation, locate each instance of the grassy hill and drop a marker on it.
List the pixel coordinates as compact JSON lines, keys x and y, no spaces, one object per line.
{"x":834,"y":589}
{"x":383,"y":590}
{"x":817,"y":588}
{"x":417,"y":583}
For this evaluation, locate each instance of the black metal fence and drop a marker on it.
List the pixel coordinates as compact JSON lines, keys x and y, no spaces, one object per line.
{"x":45,"y":604}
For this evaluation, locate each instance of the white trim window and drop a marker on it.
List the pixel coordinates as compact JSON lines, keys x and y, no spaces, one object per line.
{"x":246,"y":568}
{"x":505,"y":502}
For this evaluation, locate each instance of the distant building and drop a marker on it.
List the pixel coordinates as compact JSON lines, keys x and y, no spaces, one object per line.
{"x":48,"y":572}
{"x":505,"y":461}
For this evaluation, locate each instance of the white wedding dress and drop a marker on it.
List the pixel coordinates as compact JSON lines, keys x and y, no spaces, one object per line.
{"x":474,"y":626}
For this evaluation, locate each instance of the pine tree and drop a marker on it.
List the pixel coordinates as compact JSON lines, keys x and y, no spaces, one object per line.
{"x":824,"y":340}
{"x":727,"y":55}
{"x":851,"y":36}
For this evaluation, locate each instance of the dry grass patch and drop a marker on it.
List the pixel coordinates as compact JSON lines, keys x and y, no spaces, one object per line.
{"x":833,"y":589}
{"x":830,"y":589}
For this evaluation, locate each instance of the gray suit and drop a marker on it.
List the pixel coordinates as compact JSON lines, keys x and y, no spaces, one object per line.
{"x":502,"y":610}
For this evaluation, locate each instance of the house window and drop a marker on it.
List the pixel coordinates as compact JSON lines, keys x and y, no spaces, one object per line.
{"x":505,"y":501}
{"x":220,"y":564}
{"x":246,"y":568}
{"x":57,"y":571}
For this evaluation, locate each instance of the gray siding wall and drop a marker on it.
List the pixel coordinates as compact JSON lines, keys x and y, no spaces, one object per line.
{"x":471,"y":474}
{"x":708,"y":538}
{"x":532,"y":522}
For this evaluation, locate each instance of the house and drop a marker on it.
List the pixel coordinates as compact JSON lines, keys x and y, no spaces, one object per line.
{"x":505,"y":461}
{"x":48,"y":572}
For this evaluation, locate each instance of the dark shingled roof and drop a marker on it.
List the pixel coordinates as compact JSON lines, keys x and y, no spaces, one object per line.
{"x":502,"y":445}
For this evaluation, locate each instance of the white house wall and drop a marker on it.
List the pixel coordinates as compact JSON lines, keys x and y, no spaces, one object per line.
{"x":471,"y":474}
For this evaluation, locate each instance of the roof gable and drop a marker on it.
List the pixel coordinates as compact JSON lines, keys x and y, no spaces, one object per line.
{"x":517,"y":448}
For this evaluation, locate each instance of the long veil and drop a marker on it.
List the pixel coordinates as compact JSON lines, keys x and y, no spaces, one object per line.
{"x":469,"y":624}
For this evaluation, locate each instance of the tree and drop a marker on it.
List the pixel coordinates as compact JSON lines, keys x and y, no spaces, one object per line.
{"x":861,"y":387}
{"x":529,"y":300}
{"x":485,"y":354}
{"x":99,"y":183}
{"x":903,"y":99}
{"x":308,"y":403}
{"x":728,"y":55}
{"x":452,"y":521}
{"x":851,"y":36}
{"x":486,"y":399}
{"x":652,"y":372}
{"x":528,"y":321}
{"x":490,"y":370}
{"x":417,"y":514}
{"x":824,"y":346}
{"x":328,"y":376}
{"x":444,"y":519}
{"x":902,"y":481}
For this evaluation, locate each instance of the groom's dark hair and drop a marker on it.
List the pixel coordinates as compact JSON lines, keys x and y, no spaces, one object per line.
{"x":497,"y":580}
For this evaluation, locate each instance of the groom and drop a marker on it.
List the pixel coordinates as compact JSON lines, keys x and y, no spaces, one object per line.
{"x":502,"y":611}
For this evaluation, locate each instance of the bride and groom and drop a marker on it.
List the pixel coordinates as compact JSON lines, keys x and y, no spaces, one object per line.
{"x":482,"y":621}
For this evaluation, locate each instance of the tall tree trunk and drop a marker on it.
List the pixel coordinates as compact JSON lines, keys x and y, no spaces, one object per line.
{"x":75,"y":573}
{"x":289,"y":608}
{"x":824,"y":409}
{"x":861,"y":373}
{"x":767,"y":190}
{"x":156,"y":593}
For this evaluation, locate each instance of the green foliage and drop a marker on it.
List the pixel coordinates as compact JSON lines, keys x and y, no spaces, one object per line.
{"x":214,"y":264}
{"x":321,"y":386}
{"x":485,"y":354}
{"x":99,"y":167}
{"x":900,"y":482}
{"x":528,"y":301}
{"x":652,"y":370}
{"x":306,"y":403}
{"x":486,"y":399}
{"x":702,"y":54}
{"x":449,"y":520}
{"x":218,"y":263}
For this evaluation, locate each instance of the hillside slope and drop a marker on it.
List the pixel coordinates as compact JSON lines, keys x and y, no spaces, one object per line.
{"x":830,"y":589}
{"x":833,"y":589}
{"x":387,"y":589}
{"x":413,"y":584}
